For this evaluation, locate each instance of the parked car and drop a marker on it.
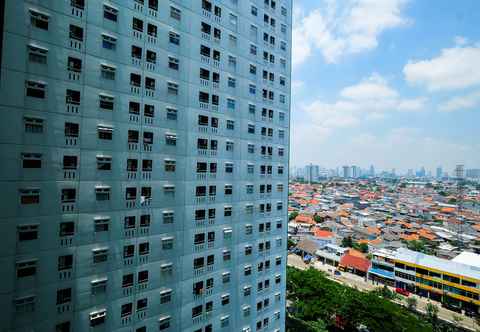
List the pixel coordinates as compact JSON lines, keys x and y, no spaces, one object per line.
{"x":402,"y":291}
{"x":337,"y":273}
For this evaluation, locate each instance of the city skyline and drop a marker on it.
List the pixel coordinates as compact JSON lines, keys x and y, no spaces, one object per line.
{"x":372,"y":93}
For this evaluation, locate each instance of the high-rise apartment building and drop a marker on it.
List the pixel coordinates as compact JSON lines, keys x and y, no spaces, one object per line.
{"x":144,"y":164}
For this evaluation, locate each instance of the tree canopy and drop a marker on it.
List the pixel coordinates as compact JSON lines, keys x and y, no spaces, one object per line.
{"x":317,"y":300}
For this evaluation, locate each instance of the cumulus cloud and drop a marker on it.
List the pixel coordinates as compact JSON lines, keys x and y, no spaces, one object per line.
{"x":371,"y":98}
{"x":454,"y":69}
{"x":461,"y":102}
{"x":336,"y":30}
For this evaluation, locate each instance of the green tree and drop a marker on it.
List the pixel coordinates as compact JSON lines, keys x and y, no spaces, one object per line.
{"x":347,"y":242}
{"x":314,"y":297}
{"x":416,"y":246}
{"x":290,"y":244}
{"x":363,"y":247}
{"x":411,"y":303}
{"x":293,"y":215}
{"x":432,"y":315}
{"x":317,"y":218}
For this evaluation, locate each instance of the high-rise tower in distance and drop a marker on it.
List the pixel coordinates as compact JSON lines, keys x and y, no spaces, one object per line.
{"x":144,"y":148}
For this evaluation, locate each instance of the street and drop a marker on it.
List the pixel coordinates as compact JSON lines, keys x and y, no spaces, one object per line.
{"x":352,"y":280}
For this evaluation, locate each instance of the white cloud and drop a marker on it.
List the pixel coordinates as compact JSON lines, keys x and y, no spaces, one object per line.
{"x":374,"y":86}
{"x":337,"y":30}
{"x":461,"y":102}
{"x":370,"y":98}
{"x":455,"y":68}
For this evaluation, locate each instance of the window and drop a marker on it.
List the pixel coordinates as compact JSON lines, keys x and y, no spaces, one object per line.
{"x":225,"y":277}
{"x":163,"y":323}
{"x":225,"y":299}
{"x":105,"y":132}
{"x":174,"y":38}
{"x":64,"y":296}
{"x":109,"y":42}
{"x":231,"y":82}
{"x":175,"y":13}
{"x":100,"y":255}
{"x":172,"y":88}
{"x":98,"y":317}
{"x":251,"y":129}
{"x":37,"y":54}
{"x":66,"y":229}
{"x":98,"y":286}
{"x":31,"y":160}
{"x":30,"y":196}
{"x":102,"y":193}
{"x":35,"y":89}
{"x":26,"y":268}
{"x":230,"y":124}
{"x":106,"y":101}
{"x":71,"y":129}
{"x":108,"y":71}
{"x":171,"y":114}
{"x":231,"y":104}
{"x":229,"y":146}
{"x":167,"y":243}
{"x":110,"y":13}
{"x":253,"y":10}
{"x":76,"y":32}
{"x":170,"y":165}
{"x":253,"y":50}
{"x":228,"y":167}
{"x":171,"y":139}
{"x":25,"y":304}
{"x":165,"y":296}
{"x":27,"y":232}
{"x":253,"y":71}
{"x":232,"y":61}
{"x":168,"y":217}
{"x":65,"y":262}
{"x":101,"y":224}
{"x":137,"y":24}
{"x":33,"y":125}
{"x":252,"y":89}
{"x":39,"y":20}
{"x":127,"y":280}
{"x":173,"y":63}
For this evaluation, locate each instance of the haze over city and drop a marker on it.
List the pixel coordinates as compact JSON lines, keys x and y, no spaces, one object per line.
{"x":395,"y":84}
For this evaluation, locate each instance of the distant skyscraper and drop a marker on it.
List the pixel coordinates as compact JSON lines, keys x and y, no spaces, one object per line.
{"x":312,"y":173}
{"x":372,"y":170}
{"x":410,"y":173}
{"x":459,"y":171}
{"x":347,"y":172}
{"x":355,"y":171}
{"x":439,"y":173}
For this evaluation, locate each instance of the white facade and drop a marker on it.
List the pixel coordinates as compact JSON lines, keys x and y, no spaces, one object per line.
{"x":144,"y":165}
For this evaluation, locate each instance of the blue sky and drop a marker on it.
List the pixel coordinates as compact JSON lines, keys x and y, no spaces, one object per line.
{"x":393,"y":83}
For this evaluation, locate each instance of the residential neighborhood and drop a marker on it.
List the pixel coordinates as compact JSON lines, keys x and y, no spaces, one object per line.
{"x":418,"y":237}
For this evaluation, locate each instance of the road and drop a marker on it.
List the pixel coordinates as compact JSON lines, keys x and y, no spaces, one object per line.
{"x":353,"y":280}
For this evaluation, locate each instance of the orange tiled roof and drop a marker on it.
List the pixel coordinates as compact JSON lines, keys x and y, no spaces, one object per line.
{"x":301,"y":218}
{"x":410,"y":237}
{"x":356,"y":253}
{"x":447,"y":210}
{"x":426,"y":234}
{"x":321,"y":233}
{"x":358,"y":263}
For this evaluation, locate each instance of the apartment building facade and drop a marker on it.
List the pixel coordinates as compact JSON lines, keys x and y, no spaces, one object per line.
{"x":144,"y":164}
